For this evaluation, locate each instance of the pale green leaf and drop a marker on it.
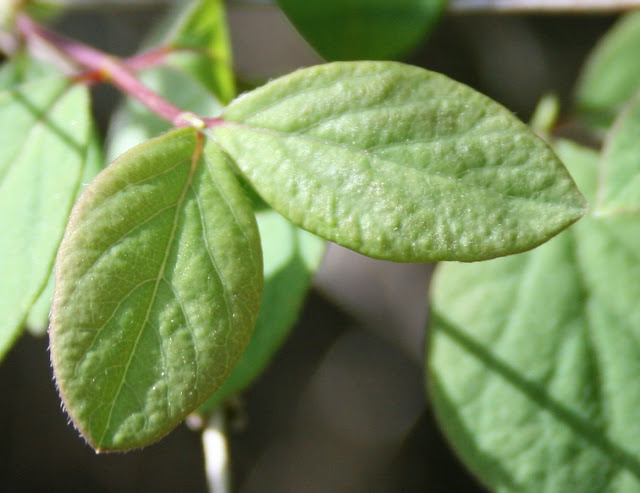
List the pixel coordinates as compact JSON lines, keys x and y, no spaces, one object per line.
{"x":46,"y":129}
{"x":23,"y":68}
{"x":398,"y":163}
{"x":38,"y":320}
{"x":619,"y":180}
{"x":158,"y":284}
{"x":363,"y":29}
{"x":291,"y":257}
{"x":612,"y":72}
{"x":533,"y":359}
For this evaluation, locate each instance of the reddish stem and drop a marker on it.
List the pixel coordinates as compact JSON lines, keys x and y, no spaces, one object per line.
{"x":148,"y":59}
{"x":103,"y":67}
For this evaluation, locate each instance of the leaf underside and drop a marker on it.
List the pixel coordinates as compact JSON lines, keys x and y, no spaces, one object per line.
{"x":45,"y":159}
{"x":532,"y":359}
{"x":398,"y":163}
{"x":158,"y":282}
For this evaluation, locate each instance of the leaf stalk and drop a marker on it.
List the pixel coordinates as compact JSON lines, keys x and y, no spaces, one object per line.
{"x":103,"y":67}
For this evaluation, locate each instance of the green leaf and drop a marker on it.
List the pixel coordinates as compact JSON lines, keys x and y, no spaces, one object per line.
{"x":200,"y":37}
{"x":46,"y":130}
{"x":612,"y":73}
{"x":363,"y":29}
{"x":291,"y":257}
{"x":618,"y":190}
{"x":158,"y":283}
{"x":23,"y":68}
{"x":38,"y":320}
{"x":398,"y":163}
{"x":533,"y":359}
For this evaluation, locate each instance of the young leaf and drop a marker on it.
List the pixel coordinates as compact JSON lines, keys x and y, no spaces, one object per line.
{"x":44,"y":141}
{"x":200,"y":40}
{"x":398,"y":163}
{"x":612,"y":72}
{"x":291,"y":257}
{"x":363,"y":29}
{"x":158,"y":283}
{"x":532,"y":361}
{"x":618,"y":187}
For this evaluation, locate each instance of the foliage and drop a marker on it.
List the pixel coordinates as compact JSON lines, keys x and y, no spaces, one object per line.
{"x":185,"y":262}
{"x":532,"y":359}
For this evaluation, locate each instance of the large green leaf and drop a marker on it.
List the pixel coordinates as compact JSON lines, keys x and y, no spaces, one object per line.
{"x":612,"y":73}
{"x":291,"y":257}
{"x":618,"y":187}
{"x":158,"y":284}
{"x":363,"y":29}
{"x":398,"y":163}
{"x":533,"y":359}
{"x":46,"y":130}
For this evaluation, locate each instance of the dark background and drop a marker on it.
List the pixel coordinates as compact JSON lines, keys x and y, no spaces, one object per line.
{"x":343,"y":407}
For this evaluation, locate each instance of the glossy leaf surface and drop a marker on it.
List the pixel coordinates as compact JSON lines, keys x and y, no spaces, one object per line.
{"x":158,"y":284}
{"x":363,"y":29}
{"x":532,"y":363}
{"x":619,"y":179}
{"x":398,"y":163}
{"x":612,"y":73}
{"x":46,"y":130}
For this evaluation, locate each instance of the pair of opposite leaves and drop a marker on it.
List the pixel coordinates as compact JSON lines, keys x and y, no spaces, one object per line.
{"x":159,"y":275}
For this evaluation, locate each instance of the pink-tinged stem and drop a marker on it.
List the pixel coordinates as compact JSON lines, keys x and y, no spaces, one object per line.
{"x":104,"y":67}
{"x":148,"y":59}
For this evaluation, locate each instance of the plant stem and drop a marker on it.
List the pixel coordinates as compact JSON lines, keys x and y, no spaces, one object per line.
{"x":103,"y":67}
{"x":540,"y":6}
{"x":216,"y":456}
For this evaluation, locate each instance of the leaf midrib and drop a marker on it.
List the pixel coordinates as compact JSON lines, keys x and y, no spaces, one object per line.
{"x":445,"y":178}
{"x":532,"y":389}
{"x":195,"y":158}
